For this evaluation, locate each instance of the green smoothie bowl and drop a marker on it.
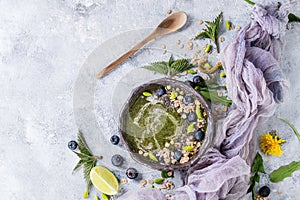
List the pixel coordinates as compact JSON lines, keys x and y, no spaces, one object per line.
{"x":166,"y":125}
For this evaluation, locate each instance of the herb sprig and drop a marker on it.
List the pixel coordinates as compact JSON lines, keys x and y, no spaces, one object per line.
{"x":87,"y":160}
{"x":257,"y":166}
{"x":212,"y":31}
{"x":170,"y":68}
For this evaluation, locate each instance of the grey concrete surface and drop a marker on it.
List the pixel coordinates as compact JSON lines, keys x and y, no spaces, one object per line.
{"x":45,"y":48}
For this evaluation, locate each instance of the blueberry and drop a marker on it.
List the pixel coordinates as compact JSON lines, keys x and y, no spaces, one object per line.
{"x":72,"y":145}
{"x":177,"y":155}
{"x":115,"y":139}
{"x":190,"y":83}
{"x":199,"y":135}
{"x":131,"y":173}
{"x":192,"y":117}
{"x":160,"y":91}
{"x":187,"y":100}
{"x":264,"y":191}
{"x":117,"y":160}
{"x":198,"y":79}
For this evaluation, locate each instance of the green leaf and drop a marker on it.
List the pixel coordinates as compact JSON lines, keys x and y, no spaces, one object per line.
{"x":291,"y":125}
{"x":87,"y":167}
{"x":87,"y":160}
{"x":82,"y":155}
{"x":171,"y":60}
{"x":159,"y":180}
{"x":250,"y":2}
{"x":212,"y":96}
{"x":169,"y":68}
{"x":180,"y":65}
{"x":284,"y":171}
{"x":293,"y":18}
{"x":153,"y":157}
{"x":159,"y":67}
{"x":82,"y":145}
{"x":256,"y":178}
{"x":147,"y":94}
{"x":258,"y":165}
{"x":79,"y":164}
{"x":164,"y":174}
{"x":212,"y":31}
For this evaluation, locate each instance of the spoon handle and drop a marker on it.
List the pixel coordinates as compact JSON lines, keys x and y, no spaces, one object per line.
{"x":125,"y":55}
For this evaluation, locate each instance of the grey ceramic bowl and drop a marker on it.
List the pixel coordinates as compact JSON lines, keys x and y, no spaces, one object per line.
{"x":187,"y":89}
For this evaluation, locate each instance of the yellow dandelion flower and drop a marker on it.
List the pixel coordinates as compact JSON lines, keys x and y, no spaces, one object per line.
{"x":270,"y":144}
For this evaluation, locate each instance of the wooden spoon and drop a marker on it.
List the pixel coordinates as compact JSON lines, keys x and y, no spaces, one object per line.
{"x":170,"y":24}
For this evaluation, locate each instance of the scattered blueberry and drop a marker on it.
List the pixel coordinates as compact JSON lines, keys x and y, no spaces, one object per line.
{"x":192,"y":117}
{"x":187,"y":100}
{"x":190,"y":83}
{"x":117,"y":160}
{"x":131,"y":173}
{"x":264,"y":191}
{"x":199,"y":135}
{"x":160,"y":91}
{"x":72,"y":145}
{"x":198,"y":79}
{"x":177,"y":155}
{"x":115,"y":139}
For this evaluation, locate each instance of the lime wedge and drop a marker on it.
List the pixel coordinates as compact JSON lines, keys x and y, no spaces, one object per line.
{"x":104,"y":180}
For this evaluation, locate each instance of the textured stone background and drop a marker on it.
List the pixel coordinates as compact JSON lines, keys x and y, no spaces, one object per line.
{"x":43,"y":45}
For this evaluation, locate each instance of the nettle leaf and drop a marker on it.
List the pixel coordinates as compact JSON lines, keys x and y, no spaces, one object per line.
{"x":171,"y":67}
{"x":181,"y":65}
{"x":212,"y":31}
{"x":79,"y":164}
{"x":171,"y":60}
{"x":202,"y":35}
{"x":82,"y":146}
{"x":86,"y":173}
{"x":87,"y":160}
{"x":159,"y":67}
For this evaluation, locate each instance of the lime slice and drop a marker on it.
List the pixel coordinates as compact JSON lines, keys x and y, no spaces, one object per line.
{"x":104,"y":180}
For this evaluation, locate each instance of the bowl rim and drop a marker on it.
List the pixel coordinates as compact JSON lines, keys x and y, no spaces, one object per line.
{"x":207,"y":142}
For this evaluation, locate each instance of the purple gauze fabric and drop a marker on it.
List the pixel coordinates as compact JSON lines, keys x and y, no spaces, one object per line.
{"x":255,"y":84}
